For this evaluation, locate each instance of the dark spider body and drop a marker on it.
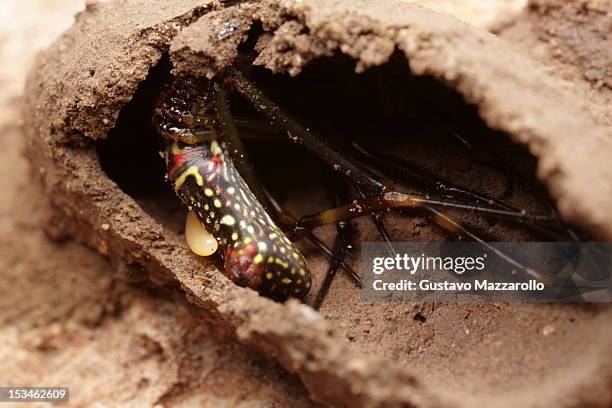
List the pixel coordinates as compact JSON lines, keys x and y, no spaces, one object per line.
{"x":255,"y":251}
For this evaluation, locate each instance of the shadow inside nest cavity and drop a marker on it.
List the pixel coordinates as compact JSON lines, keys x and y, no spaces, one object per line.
{"x":385,"y":110}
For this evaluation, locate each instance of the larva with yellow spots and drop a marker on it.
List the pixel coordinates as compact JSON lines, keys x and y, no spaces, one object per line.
{"x":256,"y":253}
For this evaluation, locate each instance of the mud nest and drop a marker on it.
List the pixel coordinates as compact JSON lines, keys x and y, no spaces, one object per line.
{"x":392,"y":78}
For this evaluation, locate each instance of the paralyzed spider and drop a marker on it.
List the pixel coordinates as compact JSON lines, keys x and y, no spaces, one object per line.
{"x":211,"y":174}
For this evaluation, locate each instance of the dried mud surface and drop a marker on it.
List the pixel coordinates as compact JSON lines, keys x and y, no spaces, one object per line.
{"x":492,"y":15}
{"x":570,"y":39}
{"x":352,"y":354}
{"x":66,"y":320}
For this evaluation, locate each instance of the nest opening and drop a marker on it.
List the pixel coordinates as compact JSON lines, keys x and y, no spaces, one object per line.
{"x":385,"y":110}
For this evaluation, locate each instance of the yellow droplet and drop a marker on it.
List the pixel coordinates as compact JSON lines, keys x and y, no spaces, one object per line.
{"x":200,"y":241}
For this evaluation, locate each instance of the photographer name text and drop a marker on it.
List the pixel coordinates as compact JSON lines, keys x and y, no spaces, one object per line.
{"x":427,"y":285}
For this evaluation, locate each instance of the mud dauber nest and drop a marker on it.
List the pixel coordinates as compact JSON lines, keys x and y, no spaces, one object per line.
{"x":360,"y":145}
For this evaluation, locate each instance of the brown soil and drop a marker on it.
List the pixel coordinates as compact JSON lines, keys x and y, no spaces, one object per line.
{"x":65,"y":320}
{"x":409,"y":354}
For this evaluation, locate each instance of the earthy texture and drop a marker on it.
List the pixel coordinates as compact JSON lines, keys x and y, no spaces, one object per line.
{"x":79,"y":86}
{"x":65,"y":320}
{"x":491,"y":15}
{"x":580,"y":34}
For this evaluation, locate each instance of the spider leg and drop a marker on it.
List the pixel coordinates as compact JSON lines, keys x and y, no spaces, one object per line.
{"x":395,"y":199}
{"x":299,"y":133}
{"x":229,"y":133}
{"x":253,"y":128}
{"x":408,"y":172}
{"x":378,"y":223}
{"x":341,"y":247}
{"x":248,"y":128}
{"x":486,"y":155}
{"x":344,"y":163}
{"x":405,"y":169}
{"x":366,"y":206}
{"x":295,"y":233}
{"x":374,"y":200}
{"x":446,"y":222}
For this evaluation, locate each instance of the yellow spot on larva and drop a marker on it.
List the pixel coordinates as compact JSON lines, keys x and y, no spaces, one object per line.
{"x":262,"y":246}
{"x":270,"y":259}
{"x":269,"y":275}
{"x":258,"y":259}
{"x":228,"y":220}
{"x":302,"y":272}
{"x":272,"y":235}
{"x":286,"y":281}
{"x":282,"y":263}
{"x":217,"y":203}
{"x":191,"y":171}
{"x":247,"y":240}
{"x":208,"y":192}
{"x":231,"y":190}
{"x":293,"y":271}
{"x":234,"y":236}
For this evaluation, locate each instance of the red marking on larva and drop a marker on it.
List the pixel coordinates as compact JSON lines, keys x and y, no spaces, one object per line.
{"x":178,"y":159}
{"x":239,"y":266}
{"x":176,"y":162}
{"x":217,"y":159}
